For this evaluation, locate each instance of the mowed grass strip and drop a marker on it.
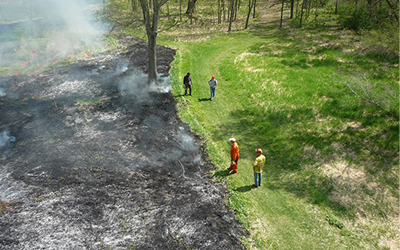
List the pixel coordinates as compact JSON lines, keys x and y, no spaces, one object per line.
{"x":331,"y":158}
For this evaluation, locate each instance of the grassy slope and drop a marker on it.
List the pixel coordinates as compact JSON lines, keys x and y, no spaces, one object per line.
{"x":294,"y":105}
{"x":331,"y":176}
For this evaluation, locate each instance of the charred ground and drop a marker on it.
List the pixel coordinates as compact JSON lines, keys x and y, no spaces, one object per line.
{"x":94,"y":158}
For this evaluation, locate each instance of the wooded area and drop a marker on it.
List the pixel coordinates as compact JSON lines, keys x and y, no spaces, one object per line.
{"x":361,"y":16}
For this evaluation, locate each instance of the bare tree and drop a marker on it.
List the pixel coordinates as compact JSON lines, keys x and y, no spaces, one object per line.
{"x":151,"y":11}
{"x":280,"y":22}
{"x":180,"y":10}
{"x":251,"y":4}
{"x":302,"y":12}
{"x":336,"y":6}
{"x":231,"y":14}
{"x":291,"y":8}
{"x":191,"y":7}
{"x":133,"y":5}
{"x":254,"y":8}
{"x":219,"y":11}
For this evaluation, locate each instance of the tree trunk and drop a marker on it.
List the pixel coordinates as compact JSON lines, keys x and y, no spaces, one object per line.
{"x":151,"y":13}
{"x":251,"y":2}
{"x":291,"y":8}
{"x":280,"y":23}
{"x":302,"y":12}
{"x":191,"y":7}
{"x":336,"y":7}
{"x":180,"y":10}
{"x":231,"y":15}
{"x":152,"y":54}
{"x":237,"y":6}
{"x":308,"y":9}
{"x":219,"y":13}
{"x":133,"y":5}
{"x":254,"y":8}
{"x":223,"y":11}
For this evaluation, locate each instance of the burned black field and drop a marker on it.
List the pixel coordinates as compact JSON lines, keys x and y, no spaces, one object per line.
{"x":92,"y":157}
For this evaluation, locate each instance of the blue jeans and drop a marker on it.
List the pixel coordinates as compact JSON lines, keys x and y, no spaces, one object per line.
{"x":257,"y":179}
{"x":212,"y":90}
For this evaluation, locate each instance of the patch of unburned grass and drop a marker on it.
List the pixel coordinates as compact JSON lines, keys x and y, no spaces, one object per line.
{"x":324,"y":144}
{"x":321,"y":110}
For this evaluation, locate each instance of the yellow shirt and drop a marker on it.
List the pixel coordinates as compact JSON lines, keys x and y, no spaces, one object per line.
{"x":258,"y":163}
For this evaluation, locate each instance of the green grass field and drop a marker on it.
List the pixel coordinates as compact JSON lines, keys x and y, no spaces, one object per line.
{"x":331,"y":177}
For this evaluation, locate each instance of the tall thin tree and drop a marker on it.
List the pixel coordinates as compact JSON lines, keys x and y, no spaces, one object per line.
{"x":280,"y":22}
{"x":231,"y":14}
{"x":251,"y":3}
{"x":291,"y":8}
{"x":191,"y":7}
{"x":151,"y":14}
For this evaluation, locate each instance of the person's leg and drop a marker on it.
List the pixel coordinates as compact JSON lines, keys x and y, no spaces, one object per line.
{"x":212,"y":92}
{"x":235,"y":167}
{"x":259,"y":179}
{"x":255,"y":179}
{"x":190,"y":89}
{"x":185,"y":89}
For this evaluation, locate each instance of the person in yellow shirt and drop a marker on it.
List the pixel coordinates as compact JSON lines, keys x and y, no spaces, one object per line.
{"x":258,"y":165}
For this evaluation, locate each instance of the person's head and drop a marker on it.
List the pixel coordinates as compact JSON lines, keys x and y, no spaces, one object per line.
{"x":258,"y":151}
{"x":213,"y":77}
{"x":232,"y":140}
{"x":188,"y":74}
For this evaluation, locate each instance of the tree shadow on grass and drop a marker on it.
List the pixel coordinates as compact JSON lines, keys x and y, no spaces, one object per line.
{"x":222,"y":173}
{"x":288,"y":154}
{"x":244,"y":188}
{"x":204,"y":99}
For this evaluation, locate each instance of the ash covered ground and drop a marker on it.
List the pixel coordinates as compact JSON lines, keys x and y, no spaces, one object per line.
{"x":92,"y":157}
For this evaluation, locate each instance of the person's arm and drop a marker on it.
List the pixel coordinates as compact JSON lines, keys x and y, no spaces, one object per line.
{"x":255,"y":163}
{"x":235,"y":154}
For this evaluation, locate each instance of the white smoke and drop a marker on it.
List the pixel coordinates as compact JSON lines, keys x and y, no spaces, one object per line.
{"x":163,"y":85}
{"x":186,"y":140}
{"x":137,"y":83}
{"x":5,"y":139}
{"x":10,"y":190}
{"x":46,"y":31}
{"x":2,"y":92}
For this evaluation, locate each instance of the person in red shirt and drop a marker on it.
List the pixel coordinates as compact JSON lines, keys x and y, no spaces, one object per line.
{"x":234,"y":156}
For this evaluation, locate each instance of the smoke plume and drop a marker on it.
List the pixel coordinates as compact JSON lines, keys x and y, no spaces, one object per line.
{"x":36,"y":33}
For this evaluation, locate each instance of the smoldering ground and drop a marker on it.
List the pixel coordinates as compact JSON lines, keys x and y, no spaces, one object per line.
{"x":97,"y":159}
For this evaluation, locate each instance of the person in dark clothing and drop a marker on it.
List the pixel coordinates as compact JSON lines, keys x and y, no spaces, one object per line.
{"x":187,"y":82}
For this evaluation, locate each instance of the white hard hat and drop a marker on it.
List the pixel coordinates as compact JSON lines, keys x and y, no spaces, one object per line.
{"x":232,"y":139}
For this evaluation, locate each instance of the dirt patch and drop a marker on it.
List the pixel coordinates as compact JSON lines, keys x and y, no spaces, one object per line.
{"x":94,"y":158}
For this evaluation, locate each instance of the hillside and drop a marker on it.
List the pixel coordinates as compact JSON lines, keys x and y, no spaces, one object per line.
{"x":323,"y":109}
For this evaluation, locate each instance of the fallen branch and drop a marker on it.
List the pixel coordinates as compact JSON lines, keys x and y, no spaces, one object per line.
{"x":183,"y":169}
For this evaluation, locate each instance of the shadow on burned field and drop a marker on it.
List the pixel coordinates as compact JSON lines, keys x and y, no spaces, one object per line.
{"x":100,"y":159}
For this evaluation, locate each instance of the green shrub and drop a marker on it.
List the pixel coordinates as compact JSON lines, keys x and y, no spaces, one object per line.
{"x":357,"y":20}
{"x":334,"y":221}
